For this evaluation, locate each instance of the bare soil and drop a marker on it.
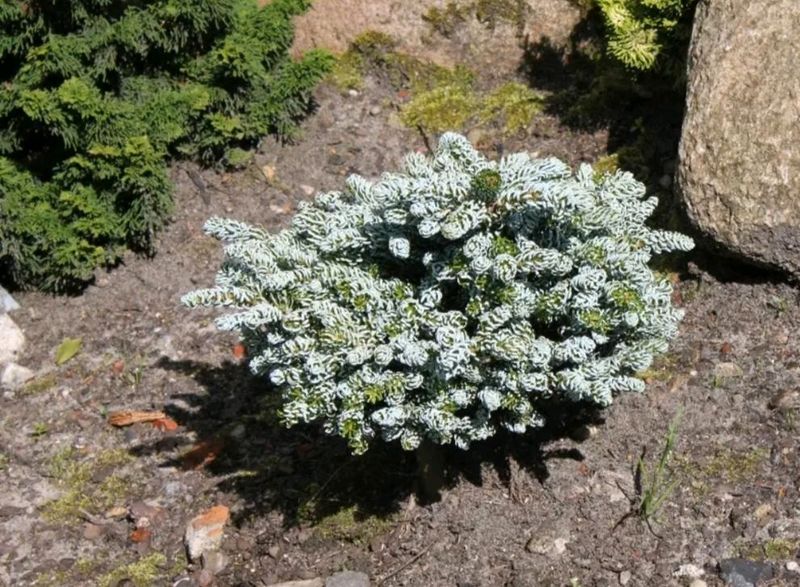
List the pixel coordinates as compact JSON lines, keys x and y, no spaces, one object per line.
{"x":559,"y":508}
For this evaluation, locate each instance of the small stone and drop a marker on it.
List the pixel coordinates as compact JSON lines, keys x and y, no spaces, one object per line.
{"x":203,"y":578}
{"x":347,"y":579}
{"x":727,"y":370}
{"x":12,"y":341}
{"x":352,"y":93}
{"x":307,"y":189}
{"x":375,"y":110}
{"x":204,"y":532}
{"x":274,"y":551}
{"x":625,"y":577}
{"x":763,"y":511}
{"x":698,"y":583}
{"x":689,"y":570}
{"x":315,"y":582}
{"x":92,"y":531}
{"x":740,"y":572}
{"x":215,"y":561}
{"x":7,"y":303}
{"x":560,"y":545}
{"x":14,"y":376}
{"x":538,"y":545}
{"x":793,"y":567}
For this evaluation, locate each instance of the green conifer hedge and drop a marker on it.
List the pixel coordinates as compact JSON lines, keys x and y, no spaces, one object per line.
{"x":97,"y":95}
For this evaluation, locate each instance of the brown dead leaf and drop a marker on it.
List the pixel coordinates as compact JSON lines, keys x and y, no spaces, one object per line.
{"x":203,"y":453}
{"x":128,"y":417}
{"x":165,"y":424}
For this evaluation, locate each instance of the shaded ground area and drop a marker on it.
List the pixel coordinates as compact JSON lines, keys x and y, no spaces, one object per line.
{"x":551,"y":509}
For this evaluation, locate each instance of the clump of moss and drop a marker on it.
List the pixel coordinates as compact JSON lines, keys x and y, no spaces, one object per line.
{"x":446,"y":21}
{"x":493,"y":12}
{"x":351,"y":525}
{"x":81,"y":493}
{"x":455,"y":105}
{"x":662,"y":369}
{"x":80,"y":573}
{"x":605,"y":165}
{"x":443,"y":98}
{"x":490,"y":13}
{"x":375,"y":53}
{"x":777,"y":549}
{"x":347,"y":72}
{"x":440,"y":109}
{"x":514,"y":104}
{"x":366,"y":51}
{"x":39,"y":385}
{"x":727,"y":466}
{"x":142,"y":573}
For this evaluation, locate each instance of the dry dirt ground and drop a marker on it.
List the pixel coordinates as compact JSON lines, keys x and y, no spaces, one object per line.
{"x":557,"y":509}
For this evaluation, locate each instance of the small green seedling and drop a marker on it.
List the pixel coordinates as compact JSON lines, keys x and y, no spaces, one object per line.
{"x":654,"y":484}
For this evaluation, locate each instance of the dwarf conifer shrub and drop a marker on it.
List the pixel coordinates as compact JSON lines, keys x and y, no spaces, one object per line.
{"x":450,"y":300}
{"x":648,"y":34}
{"x":95,"y":95}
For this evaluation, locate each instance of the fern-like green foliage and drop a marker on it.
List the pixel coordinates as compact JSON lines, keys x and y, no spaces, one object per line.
{"x":95,"y":97}
{"x":647,"y":34}
{"x":453,"y":299}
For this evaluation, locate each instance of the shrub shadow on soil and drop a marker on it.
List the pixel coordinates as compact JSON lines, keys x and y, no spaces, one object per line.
{"x":307,"y":475}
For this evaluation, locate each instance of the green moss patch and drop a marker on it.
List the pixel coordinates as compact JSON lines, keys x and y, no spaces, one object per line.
{"x":39,"y":385}
{"x":142,"y":573}
{"x":778,"y":549}
{"x":727,"y":466}
{"x":446,"y":21}
{"x":82,"y":490}
{"x":352,"y":525}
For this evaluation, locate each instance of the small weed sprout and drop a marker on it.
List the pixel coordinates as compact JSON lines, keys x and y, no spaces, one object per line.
{"x":655,"y":486}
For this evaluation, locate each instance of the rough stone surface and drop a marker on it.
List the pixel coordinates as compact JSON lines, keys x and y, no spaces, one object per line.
{"x":347,"y":579}
{"x":739,"y":169}
{"x":12,"y":341}
{"x":333,"y":24}
{"x":740,"y":572}
{"x":14,"y":376}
